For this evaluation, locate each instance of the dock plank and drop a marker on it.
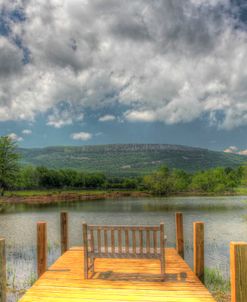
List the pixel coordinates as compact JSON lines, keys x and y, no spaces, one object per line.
{"x":132,"y":280}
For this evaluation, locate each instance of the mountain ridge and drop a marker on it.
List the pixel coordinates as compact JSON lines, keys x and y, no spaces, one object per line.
{"x":129,"y":159}
{"x":124,"y":146}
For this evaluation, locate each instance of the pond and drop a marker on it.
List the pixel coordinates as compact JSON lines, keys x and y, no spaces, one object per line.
{"x":225,"y":220}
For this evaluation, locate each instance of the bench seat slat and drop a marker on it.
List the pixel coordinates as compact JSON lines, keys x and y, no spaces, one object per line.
{"x":124,"y":227}
{"x":125,"y":256}
{"x":130,"y":251}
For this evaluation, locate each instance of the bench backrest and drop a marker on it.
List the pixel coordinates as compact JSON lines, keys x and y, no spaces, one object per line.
{"x":117,"y":240}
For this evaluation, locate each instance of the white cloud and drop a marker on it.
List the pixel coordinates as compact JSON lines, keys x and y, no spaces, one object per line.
{"x":235,"y":150}
{"x":243,"y":152}
{"x":82,"y":136}
{"x":170,"y":61}
{"x":63,"y":117}
{"x":27,"y":131}
{"x":15,"y":137}
{"x":142,"y":116}
{"x":231,"y":149}
{"x":107,"y":118}
{"x":59,"y":121}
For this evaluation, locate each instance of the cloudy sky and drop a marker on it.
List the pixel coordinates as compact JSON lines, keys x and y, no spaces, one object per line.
{"x":78,"y":72}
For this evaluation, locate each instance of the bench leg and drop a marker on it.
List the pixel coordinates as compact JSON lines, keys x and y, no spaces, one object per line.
{"x":92,"y":265}
{"x":85,"y":268}
{"x":162,"y":266}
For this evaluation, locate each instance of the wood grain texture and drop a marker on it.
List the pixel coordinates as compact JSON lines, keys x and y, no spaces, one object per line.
{"x":127,"y":240}
{"x":85,"y":249}
{"x":199,"y":250}
{"x":141,"y":240}
{"x":119,"y":241}
{"x":155,"y":244}
{"x":126,"y":280}
{"x":64,"y":231}
{"x":41,"y":247}
{"x":2,"y":271}
{"x":162,"y":243}
{"x":238,"y":268}
{"x":179,"y":234}
{"x":134,"y":241}
{"x":112,"y":241}
{"x":99,"y":239}
{"x":105,"y":241}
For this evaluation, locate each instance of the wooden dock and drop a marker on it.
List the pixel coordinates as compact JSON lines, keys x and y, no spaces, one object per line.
{"x":118,"y":280}
{"x":132,"y":279}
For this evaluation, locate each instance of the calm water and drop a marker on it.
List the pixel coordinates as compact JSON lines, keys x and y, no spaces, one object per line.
{"x":225,"y":220}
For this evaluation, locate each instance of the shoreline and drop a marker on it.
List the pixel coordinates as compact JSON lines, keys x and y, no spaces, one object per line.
{"x":51,"y":197}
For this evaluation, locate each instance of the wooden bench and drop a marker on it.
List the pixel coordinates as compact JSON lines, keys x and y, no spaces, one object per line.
{"x":127,"y":242}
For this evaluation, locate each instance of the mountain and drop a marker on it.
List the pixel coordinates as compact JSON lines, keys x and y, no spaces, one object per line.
{"x":129,"y":159}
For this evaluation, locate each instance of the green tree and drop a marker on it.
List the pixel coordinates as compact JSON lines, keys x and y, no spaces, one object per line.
{"x":29,"y":178}
{"x":130,"y":183}
{"x":217,"y":180}
{"x":181,"y":180}
{"x":244,"y":176}
{"x":160,"y":182}
{"x":9,"y":167}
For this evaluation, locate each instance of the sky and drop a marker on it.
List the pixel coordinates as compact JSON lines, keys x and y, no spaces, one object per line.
{"x":83,"y":72}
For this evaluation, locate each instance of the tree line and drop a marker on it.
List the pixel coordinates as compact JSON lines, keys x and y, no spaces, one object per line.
{"x":43,"y":178}
{"x":217,"y":180}
{"x":13,"y":176}
{"x":161,"y":182}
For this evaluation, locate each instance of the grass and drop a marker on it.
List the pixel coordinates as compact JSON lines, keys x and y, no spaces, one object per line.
{"x":24,"y":193}
{"x":45,"y":192}
{"x":41,"y":197}
{"x":50,"y":192}
{"x":241,"y":191}
{"x":21,"y":268}
{"x":217,"y":285}
{"x":214,"y":279}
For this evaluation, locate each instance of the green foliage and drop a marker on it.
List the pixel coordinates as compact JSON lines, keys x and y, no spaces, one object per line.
{"x":244,"y":176}
{"x":9,"y":167}
{"x":42,"y":177}
{"x":165,"y":182}
{"x":28,"y":178}
{"x":130,"y":183}
{"x":215,"y":282}
{"x":181,"y":180}
{"x":216,"y":180}
{"x":160,"y":182}
{"x":129,"y":160}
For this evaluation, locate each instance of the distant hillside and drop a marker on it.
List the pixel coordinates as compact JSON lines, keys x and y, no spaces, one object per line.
{"x":129,"y":159}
